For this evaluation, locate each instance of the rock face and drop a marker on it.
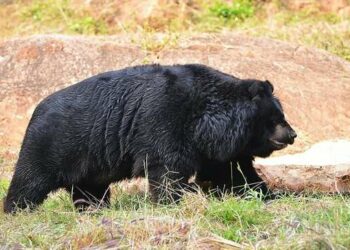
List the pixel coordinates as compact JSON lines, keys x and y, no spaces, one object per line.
{"x":32,"y":68}
{"x":313,"y":85}
{"x":325,"y":167}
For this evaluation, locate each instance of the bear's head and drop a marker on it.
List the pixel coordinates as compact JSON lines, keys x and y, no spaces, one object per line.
{"x":248,"y":121}
{"x":271,"y":130}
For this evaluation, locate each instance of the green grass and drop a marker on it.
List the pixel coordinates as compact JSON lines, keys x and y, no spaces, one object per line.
{"x":237,"y":217}
{"x":291,"y":222}
{"x":309,"y":26}
{"x":236,"y":10}
{"x":3,"y":187}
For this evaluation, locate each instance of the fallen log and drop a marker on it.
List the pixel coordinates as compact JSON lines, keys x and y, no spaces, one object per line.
{"x":325,"y":168}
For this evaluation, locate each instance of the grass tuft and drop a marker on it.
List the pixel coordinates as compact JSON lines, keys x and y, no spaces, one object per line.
{"x":239,"y":217}
{"x":236,"y":10}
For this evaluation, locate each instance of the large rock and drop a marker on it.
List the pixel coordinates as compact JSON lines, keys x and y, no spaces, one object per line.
{"x":325,"y":167}
{"x":313,"y":85}
{"x":32,"y":68}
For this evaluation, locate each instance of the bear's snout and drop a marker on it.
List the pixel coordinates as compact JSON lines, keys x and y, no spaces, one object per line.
{"x":292,"y":135}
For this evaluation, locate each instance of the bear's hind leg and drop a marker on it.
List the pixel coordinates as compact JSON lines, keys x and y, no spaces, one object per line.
{"x":28,"y":189}
{"x":84,"y":196}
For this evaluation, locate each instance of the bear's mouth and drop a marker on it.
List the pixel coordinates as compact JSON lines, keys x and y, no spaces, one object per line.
{"x":278,"y":145}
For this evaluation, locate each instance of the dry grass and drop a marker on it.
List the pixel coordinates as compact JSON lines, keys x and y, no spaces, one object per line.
{"x":132,"y":222}
{"x":197,"y":222}
{"x":310,"y":26}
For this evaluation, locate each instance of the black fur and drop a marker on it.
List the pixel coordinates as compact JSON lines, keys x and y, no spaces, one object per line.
{"x":166,"y":122}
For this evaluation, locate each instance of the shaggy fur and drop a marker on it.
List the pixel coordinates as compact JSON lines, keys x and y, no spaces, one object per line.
{"x":166,"y":122}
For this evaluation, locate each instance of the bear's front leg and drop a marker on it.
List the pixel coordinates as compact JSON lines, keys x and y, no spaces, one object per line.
{"x":231,"y":177}
{"x":86,"y":195}
{"x":167,"y":183}
{"x":251,"y":179}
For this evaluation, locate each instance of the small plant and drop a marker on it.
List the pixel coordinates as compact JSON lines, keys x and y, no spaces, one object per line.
{"x":87,"y":25}
{"x":3,"y":187}
{"x":151,"y":41}
{"x":237,"y":10}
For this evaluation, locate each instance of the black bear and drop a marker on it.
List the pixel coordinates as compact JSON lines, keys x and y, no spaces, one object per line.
{"x":164,"y":122}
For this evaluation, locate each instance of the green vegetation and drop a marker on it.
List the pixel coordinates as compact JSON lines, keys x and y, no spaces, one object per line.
{"x":238,"y":217}
{"x":236,"y":10}
{"x":291,"y":222}
{"x":309,"y":25}
{"x":3,"y":187}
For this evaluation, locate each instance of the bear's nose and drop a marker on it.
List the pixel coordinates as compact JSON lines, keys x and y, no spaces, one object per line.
{"x":292,"y":135}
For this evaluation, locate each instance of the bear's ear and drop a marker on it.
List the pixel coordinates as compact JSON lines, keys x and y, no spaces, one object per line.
{"x":260,"y":89}
{"x":255,"y":91}
{"x":269,"y":85}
